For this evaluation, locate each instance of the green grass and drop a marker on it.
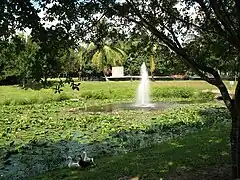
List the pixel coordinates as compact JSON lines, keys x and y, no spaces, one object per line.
{"x":14,"y":95}
{"x":10,"y":95}
{"x":45,"y":134}
{"x":54,"y":122}
{"x":39,"y":129}
{"x":202,"y":155}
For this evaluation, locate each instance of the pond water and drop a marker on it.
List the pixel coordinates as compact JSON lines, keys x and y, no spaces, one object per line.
{"x":128,"y":106}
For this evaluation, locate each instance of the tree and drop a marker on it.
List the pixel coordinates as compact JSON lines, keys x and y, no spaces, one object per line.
{"x":152,"y":60}
{"x":103,"y":56}
{"x":10,"y":53}
{"x":18,"y":15}
{"x":168,"y":22}
{"x":215,"y":52}
{"x":81,"y":62}
{"x":27,"y":61}
{"x":69,"y":61}
{"x":18,"y":58}
{"x":168,"y":62}
{"x":152,"y":65}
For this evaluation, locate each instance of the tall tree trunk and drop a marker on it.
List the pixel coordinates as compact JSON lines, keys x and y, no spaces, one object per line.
{"x":131,"y":74}
{"x":105,"y":76}
{"x":79,"y":75}
{"x":24,"y":84}
{"x":45,"y":82}
{"x":233,"y":105}
{"x":235,"y":144}
{"x":235,"y":133}
{"x":152,"y":75}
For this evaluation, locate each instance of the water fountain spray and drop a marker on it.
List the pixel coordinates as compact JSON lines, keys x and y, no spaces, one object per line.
{"x":143,"y":98}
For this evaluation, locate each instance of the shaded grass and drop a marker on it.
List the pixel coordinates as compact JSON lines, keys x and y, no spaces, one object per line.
{"x":43,"y":134}
{"x":46,"y":116}
{"x":195,"y":156}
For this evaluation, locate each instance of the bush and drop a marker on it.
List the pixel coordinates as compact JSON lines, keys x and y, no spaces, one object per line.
{"x":173,"y":92}
{"x":182,"y":92}
{"x":205,"y":95}
{"x":108,"y":94}
{"x":62,"y":97}
{"x":95,"y":95}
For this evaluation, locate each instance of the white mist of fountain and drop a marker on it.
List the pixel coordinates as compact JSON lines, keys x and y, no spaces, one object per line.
{"x":143,"y":88}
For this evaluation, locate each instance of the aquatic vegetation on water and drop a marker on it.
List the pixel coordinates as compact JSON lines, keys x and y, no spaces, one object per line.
{"x":37,"y":138}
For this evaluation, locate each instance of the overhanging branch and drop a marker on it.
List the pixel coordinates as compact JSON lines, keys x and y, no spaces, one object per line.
{"x":201,"y":28}
{"x":232,"y":36}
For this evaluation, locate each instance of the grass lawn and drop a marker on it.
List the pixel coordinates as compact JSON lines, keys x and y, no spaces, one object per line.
{"x":160,"y":90}
{"x":202,"y":155}
{"x":40,"y":129}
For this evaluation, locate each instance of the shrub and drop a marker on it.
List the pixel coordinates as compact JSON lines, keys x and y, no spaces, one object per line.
{"x":108,"y":94}
{"x":62,"y":97}
{"x":173,"y":92}
{"x":95,"y":95}
{"x":205,"y":95}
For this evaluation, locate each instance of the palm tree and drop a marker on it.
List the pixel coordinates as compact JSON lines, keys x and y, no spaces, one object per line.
{"x":152,"y":60}
{"x":152,"y":65}
{"x":105,"y":55}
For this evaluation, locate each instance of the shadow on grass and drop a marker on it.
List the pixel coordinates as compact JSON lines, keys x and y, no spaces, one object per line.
{"x":202,"y":155}
{"x":38,"y":85}
{"x":197,"y":155}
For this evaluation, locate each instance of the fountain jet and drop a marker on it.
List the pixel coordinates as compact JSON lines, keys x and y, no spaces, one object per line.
{"x":143,"y":99}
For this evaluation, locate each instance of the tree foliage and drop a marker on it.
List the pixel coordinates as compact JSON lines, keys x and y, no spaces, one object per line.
{"x":177,"y":24}
{"x":105,"y":55}
{"x":18,"y":58}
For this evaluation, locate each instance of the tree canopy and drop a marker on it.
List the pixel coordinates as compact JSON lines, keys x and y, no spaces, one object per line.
{"x":201,"y":33}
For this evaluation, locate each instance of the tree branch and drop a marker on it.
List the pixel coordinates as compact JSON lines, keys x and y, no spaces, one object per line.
{"x":237,"y":6}
{"x":231,"y":36}
{"x":204,"y":8}
{"x":225,"y":94}
{"x":237,"y":97}
{"x":95,"y":23}
{"x":198,"y":68}
{"x":228,"y":19}
{"x":174,"y":36}
{"x":193,"y":24}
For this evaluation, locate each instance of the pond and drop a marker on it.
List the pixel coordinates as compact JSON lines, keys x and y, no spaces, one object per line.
{"x":128,"y":106}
